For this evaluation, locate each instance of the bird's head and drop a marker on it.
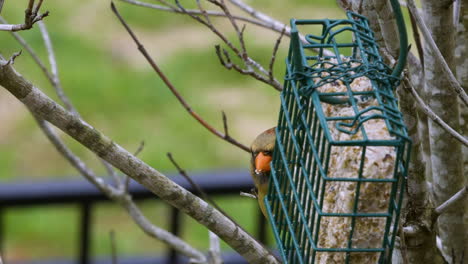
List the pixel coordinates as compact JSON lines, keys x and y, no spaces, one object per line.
{"x":262,"y":151}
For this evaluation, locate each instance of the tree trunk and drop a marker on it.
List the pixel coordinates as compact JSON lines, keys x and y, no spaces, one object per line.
{"x":446,"y":154}
{"x":417,"y":241}
{"x":461,"y":62}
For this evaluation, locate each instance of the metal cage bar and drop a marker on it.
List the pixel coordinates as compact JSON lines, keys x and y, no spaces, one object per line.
{"x":308,"y":142}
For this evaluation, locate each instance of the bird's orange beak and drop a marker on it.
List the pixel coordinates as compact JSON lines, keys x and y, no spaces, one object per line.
{"x":262,"y":163}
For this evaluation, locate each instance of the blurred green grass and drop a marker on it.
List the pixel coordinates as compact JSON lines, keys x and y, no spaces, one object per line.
{"x":116,"y":91}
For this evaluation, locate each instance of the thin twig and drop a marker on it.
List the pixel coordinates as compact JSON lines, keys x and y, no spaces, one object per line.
{"x":138,"y":151}
{"x":454,"y":84}
{"x":250,"y":195}
{"x":239,"y":32}
{"x":194,"y":185}
{"x":228,"y":64}
{"x":31,"y":52}
{"x":38,"y":6}
{"x":426,"y":109}
{"x":172,"y":87}
{"x":107,"y":189}
{"x":275,"y":51}
{"x":249,"y":62}
{"x":225,"y":123}
{"x":159,"y":233}
{"x":112,"y":173}
{"x":215,"y":249}
{"x":123,"y":198}
{"x":12,"y":59}
{"x":197,"y":12}
{"x":204,"y":12}
{"x":76,"y":162}
{"x":417,"y":39}
{"x":54,"y":70}
{"x":31,"y":17}
{"x":274,"y":24}
{"x":140,"y":148}
{"x":55,"y":81}
{"x":1,"y":6}
{"x":30,"y":7}
{"x":451,"y":201}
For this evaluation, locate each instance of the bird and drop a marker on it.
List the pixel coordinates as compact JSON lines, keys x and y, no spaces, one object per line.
{"x":262,"y":154}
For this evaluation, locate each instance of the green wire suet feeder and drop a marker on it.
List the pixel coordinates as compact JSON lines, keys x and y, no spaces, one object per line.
{"x":342,"y":149}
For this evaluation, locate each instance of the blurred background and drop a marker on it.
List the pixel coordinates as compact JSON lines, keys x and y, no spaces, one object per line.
{"x":116,"y":91}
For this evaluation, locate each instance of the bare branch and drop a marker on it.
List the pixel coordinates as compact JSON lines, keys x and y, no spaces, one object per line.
{"x":239,"y":32}
{"x":204,"y":12}
{"x":54,"y":70}
{"x":32,"y":53}
{"x":215,"y":249}
{"x":108,"y":190}
{"x":117,"y":195}
{"x":196,"y":12}
{"x":76,"y":162}
{"x":112,"y":173}
{"x":273,"y":56}
{"x":140,"y":148}
{"x":1,"y":6}
{"x":426,"y":109}
{"x":55,"y":81}
{"x":11,"y":61}
{"x":253,"y":196}
{"x":451,"y":201}
{"x":195,"y":186}
{"x":31,"y":17}
{"x":263,"y":74}
{"x":417,"y":40}
{"x":274,"y":24}
{"x":225,"y":124}
{"x":228,"y":64}
{"x":174,"y":90}
{"x":454,"y":84}
{"x":159,"y":233}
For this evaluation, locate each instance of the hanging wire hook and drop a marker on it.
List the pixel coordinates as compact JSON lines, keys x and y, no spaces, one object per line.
{"x":403,"y":39}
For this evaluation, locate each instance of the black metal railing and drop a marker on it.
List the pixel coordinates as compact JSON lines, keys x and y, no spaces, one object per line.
{"x":83,"y":193}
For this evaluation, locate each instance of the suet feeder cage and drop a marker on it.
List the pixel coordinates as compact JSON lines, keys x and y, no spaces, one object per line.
{"x":342,"y":149}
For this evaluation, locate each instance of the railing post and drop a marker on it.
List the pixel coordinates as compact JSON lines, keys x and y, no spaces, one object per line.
{"x":2,"y":234}
{"x":175,"y":229}
{"x":85,"y":231}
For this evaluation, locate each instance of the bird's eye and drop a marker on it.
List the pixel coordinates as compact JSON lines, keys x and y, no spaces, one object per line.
{"x":267,"y":153}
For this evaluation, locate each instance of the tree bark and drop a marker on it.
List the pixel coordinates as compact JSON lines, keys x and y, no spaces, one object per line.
{"x":461,"y":62}
{"x":417,"y":240}
{"x":446,"y":154}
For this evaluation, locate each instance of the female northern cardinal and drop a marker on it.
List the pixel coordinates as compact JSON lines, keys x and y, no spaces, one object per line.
{"x":262,"y":151}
